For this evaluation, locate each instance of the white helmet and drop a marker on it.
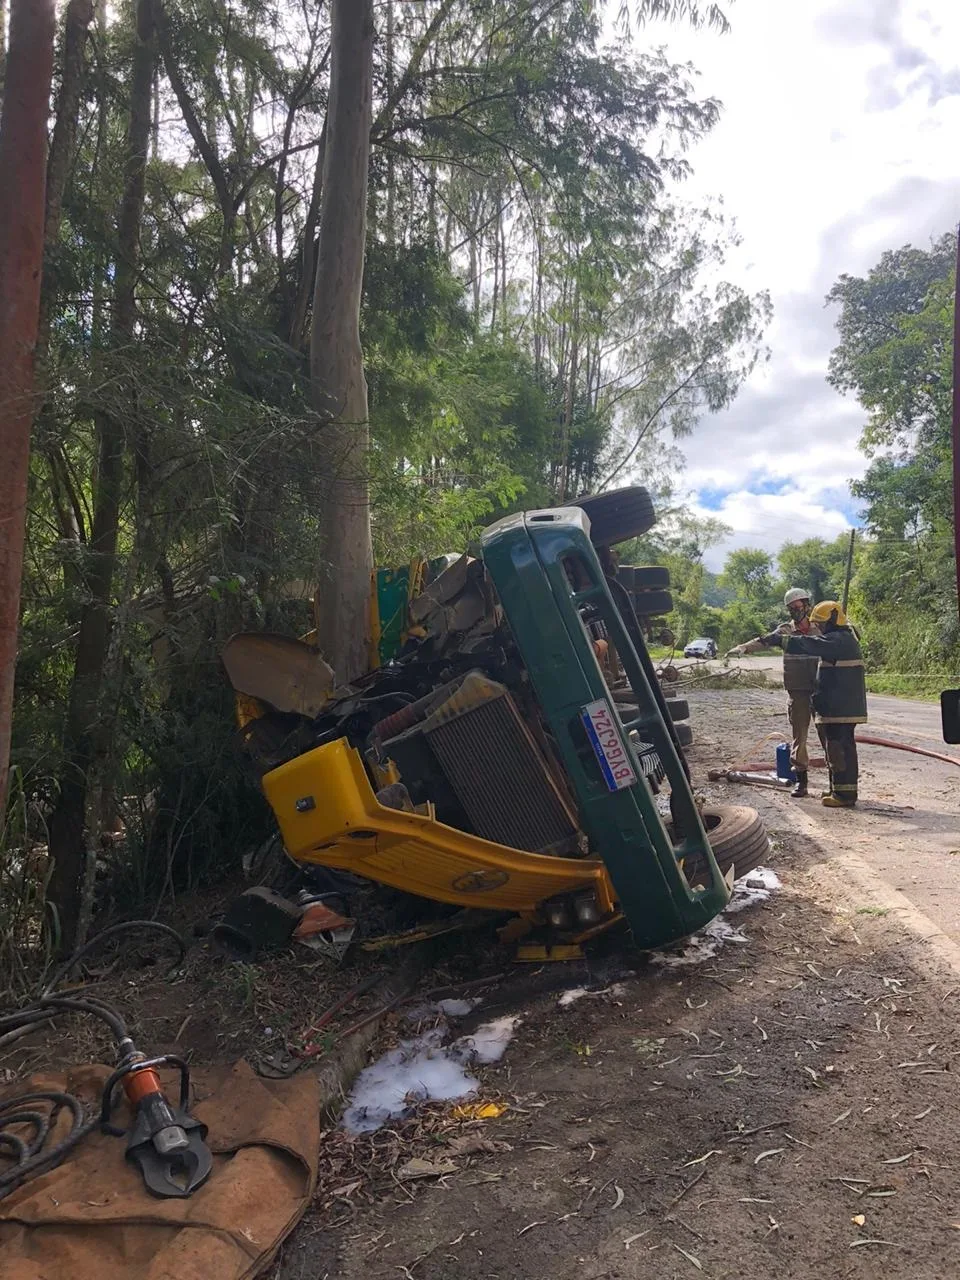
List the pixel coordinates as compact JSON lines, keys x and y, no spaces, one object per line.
{"x":794,"y":594}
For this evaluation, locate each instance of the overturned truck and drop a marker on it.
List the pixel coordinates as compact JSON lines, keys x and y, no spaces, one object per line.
{"x":490,"y":762}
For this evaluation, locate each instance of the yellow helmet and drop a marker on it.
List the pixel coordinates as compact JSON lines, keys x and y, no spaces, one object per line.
{"x":828,"y":611}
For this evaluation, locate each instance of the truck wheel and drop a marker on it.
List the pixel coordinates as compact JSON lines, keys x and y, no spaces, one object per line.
{"x":737,"y":837}
{"x":679,"y":708}
{"x":684,"y":733}
{"x":651,"y":604}
{"x":647,"y":577}
{"x":618,"y":516}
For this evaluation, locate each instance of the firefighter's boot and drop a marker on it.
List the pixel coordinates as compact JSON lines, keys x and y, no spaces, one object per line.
{"x":833,"y":801}
{"x":800,"y":790}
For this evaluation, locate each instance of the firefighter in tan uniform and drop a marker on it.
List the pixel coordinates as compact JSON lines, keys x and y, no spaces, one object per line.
{"x":799,"y":680}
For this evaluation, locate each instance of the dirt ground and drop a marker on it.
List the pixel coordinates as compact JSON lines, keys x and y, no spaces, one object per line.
{"x":787,"y":1108}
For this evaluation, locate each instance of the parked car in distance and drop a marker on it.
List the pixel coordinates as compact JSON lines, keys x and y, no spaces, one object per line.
{"x":703,"y":647}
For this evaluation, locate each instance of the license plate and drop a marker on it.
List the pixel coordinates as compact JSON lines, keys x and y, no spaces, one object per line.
{"x":604,"y":734}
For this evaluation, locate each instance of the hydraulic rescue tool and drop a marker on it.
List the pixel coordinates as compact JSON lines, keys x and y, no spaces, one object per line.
{"x":165,"y":1142}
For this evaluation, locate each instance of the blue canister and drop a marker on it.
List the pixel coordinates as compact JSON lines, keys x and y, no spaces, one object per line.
{"x":783,"y":763}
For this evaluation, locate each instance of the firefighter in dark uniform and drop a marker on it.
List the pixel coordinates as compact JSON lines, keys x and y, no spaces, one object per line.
{"x":840,"y":698}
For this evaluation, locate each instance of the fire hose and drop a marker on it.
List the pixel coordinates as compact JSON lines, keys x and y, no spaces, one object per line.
{"x":165,"y":1141}
{"x":818,"y":762}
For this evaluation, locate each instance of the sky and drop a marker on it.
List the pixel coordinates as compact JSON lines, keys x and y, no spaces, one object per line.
{"x":839,"y":139}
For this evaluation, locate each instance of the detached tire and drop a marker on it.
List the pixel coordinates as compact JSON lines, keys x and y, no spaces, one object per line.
{"x":651,"y":604}
{"x":737,"y":837}
{"x":618,"y":516}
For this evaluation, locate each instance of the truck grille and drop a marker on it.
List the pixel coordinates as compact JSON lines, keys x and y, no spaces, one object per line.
{"x":496,"y":770}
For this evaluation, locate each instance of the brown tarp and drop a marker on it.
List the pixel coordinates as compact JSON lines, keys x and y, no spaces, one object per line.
{"x":92,"y":1219}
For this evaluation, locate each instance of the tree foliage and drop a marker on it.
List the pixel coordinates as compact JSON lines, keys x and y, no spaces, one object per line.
{"x":895,"y":354}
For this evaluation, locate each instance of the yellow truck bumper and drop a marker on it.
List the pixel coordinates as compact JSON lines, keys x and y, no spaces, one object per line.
{"x":328,"y":814}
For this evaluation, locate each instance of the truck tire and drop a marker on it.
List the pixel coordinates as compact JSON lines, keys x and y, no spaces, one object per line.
{"x":651,"y":604}
{"x":737,"y":837}
{"x":678,"y":707}
{"x":648,"y":577}
{"x":618,"y":516}
{"x":684,"y":733}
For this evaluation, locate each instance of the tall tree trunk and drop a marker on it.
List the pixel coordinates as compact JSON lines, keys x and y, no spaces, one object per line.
{"x":155,"y":123}
{"x":23,"y":142}
{"x":3,"y":41}
{"x":339,"y":387}
{"x":74,"y":848}
{"x":390,"y":51}
{"x":63,"y":145}
{"x":308,"y":255}
{"x":570,"y":398}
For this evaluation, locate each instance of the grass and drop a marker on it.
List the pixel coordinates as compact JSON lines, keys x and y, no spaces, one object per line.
{"x":873,"y":911}
{"x":919,"y":688}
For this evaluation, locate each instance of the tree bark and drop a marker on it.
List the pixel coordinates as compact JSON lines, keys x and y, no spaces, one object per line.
{"x":71,"y":846}
{"x":63,"y":145}
{"x":308,"y":256}
{"x":390,"y":52}
{"x":3,"y":42}
{"x":23,"y":142}
{"x":339,"y":387}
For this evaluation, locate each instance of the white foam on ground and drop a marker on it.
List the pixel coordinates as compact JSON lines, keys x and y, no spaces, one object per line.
{"x":755,"y":887}
{"x":457,"y":1008}
{"x":701,"y":946}
{"x":423,"y":1069}
{"x":444,"y":1008}
{"x":572,"y":996}
{"x":488,"y":1043}
{"x":577,"y":993}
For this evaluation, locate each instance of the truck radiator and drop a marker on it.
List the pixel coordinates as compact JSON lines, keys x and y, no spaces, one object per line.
{"x":494,"y":767}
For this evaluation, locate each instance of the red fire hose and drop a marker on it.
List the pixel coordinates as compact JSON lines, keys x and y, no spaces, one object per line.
{"x":820,"y":763}
{"x":917,"y":751}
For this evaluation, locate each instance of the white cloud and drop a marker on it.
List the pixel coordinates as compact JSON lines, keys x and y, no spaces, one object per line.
{"x":837,"y":141}
{"x":769,"y":519}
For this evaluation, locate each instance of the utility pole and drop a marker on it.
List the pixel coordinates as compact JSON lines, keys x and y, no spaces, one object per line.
{"x":23,"y":169}
{"x":849,"y":574}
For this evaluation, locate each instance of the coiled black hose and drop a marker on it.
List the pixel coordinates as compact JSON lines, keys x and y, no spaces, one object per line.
{"x":25,"y":1128}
